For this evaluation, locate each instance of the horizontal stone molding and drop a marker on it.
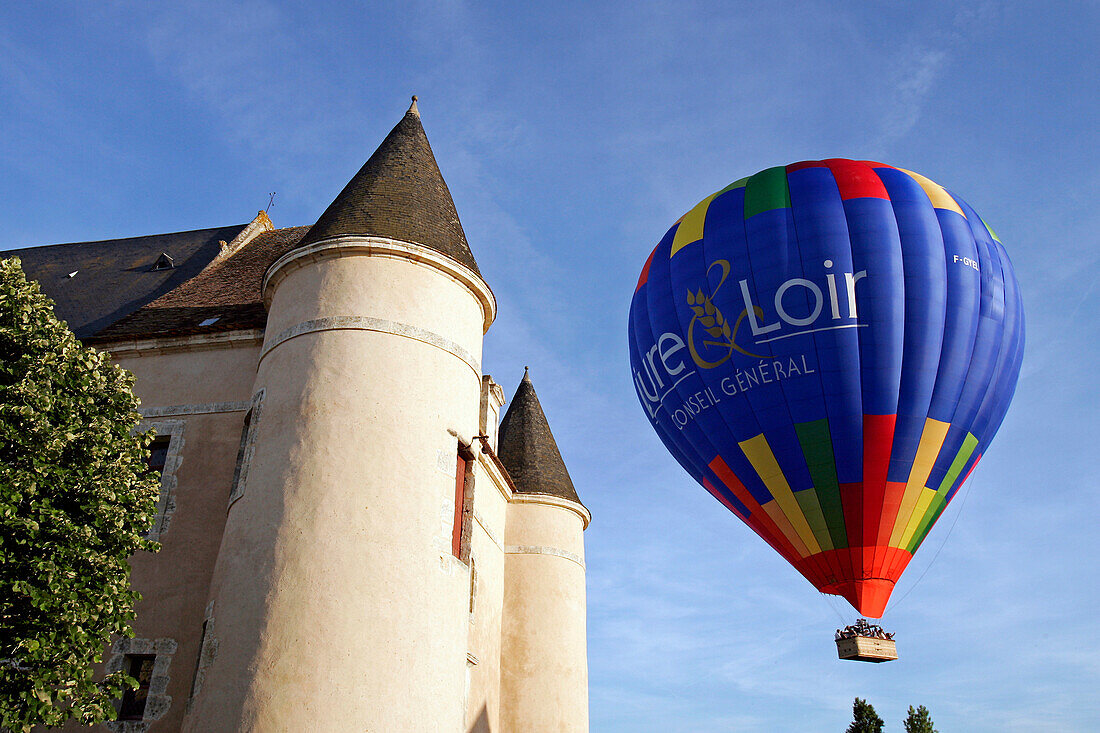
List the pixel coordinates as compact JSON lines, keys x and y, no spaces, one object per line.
{"x":378,"y":325}
{"x":544,"y":550}
{"x":198,"y":342}
{"x":204,"y":408}
{"x":551,"y":500}
{"x":344,"y":246}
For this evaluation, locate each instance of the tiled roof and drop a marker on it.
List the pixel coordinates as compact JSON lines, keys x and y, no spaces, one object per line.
{"x":229,"y":291}
{"x":528,"y":450}
{"x":400,"y":194}
{"x":114,"y":278}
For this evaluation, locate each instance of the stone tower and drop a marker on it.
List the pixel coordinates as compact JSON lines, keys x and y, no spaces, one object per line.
{"x":544,"y":664}
{"x":340,"y":589}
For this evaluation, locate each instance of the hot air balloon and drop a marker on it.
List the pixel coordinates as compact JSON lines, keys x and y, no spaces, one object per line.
{"x":828,"y":348}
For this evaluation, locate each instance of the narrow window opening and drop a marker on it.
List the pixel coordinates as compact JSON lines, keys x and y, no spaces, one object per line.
{"x":158,"y":454}
{"x":198,"y":659}
{"x":247,"y":448}
{"x":236,"y":488}
{"x":155,"y":463}
{"x":464,"y":502}
{"x":473,"y":586}
{"x":140,"y":667}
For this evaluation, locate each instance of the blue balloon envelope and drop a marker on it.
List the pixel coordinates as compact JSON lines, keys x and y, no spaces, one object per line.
{"x":828,"y":348}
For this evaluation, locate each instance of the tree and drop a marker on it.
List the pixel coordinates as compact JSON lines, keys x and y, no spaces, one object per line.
{"x":75,"y":500}
{"x":864,"y":718}
{"x":919,"y":721}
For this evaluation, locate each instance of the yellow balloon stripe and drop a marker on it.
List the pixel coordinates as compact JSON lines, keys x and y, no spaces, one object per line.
{"x":691,"y":226}
{"x":931,"y":440}
{"x":925,"y":500}
{"x":925,"y":512}
{"x":940,"y":198}
{"x":763,"y":461}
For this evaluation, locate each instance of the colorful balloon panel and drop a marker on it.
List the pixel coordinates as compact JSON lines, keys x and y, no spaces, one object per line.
{"x":828,"y":348}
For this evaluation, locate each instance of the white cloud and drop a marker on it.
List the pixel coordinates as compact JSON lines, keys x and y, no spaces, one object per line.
{"x":912,"y":81}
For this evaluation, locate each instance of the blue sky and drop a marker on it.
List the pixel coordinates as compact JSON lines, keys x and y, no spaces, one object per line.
{"x":572,"y":136}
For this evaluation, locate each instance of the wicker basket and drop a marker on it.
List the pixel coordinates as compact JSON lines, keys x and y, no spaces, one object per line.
{"x":866,"y":649}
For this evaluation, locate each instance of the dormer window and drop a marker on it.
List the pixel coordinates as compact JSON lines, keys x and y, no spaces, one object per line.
{"x":164,"y":262}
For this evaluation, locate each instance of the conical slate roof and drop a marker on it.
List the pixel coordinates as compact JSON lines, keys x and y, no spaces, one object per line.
{"x":400,"y":194}
{"x":528,"y":450}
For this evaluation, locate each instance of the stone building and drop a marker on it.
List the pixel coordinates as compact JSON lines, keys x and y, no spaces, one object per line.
{"x":349,"y":542}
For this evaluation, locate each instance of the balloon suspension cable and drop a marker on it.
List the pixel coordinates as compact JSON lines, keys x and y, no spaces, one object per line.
{"x":832,"y":604}
{"x":931,"y":562}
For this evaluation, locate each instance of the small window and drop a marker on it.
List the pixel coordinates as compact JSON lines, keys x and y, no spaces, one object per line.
{"x":163,"y":460}
{"x":158,"y":454}
{"x":237,"y":487}
{"x":196,"y":680}
{"x":155,"y":463}
{"x":247,"y":447}
{"x":164,"y":262}
{"x":140,"y":667}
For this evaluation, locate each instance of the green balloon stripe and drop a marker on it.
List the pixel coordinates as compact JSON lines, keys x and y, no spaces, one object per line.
{"x":817,"y":447}
{"x":767,"y":190}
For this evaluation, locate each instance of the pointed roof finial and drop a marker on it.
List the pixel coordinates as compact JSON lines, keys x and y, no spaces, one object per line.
{"x":413,"y":109}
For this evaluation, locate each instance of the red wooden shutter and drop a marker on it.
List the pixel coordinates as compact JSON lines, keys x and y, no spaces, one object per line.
{"x":460,"y":497}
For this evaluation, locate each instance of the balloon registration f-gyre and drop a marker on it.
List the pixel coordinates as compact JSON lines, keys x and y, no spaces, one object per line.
{"x":828,"y":348}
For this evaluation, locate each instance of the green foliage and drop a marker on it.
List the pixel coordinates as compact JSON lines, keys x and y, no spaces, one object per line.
{"x":75,"y":501}
{"x":919,"y":721}
{"x":864,"y":718}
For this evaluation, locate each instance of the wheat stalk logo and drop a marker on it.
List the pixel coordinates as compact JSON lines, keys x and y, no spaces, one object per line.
{"x":716,"y":325}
